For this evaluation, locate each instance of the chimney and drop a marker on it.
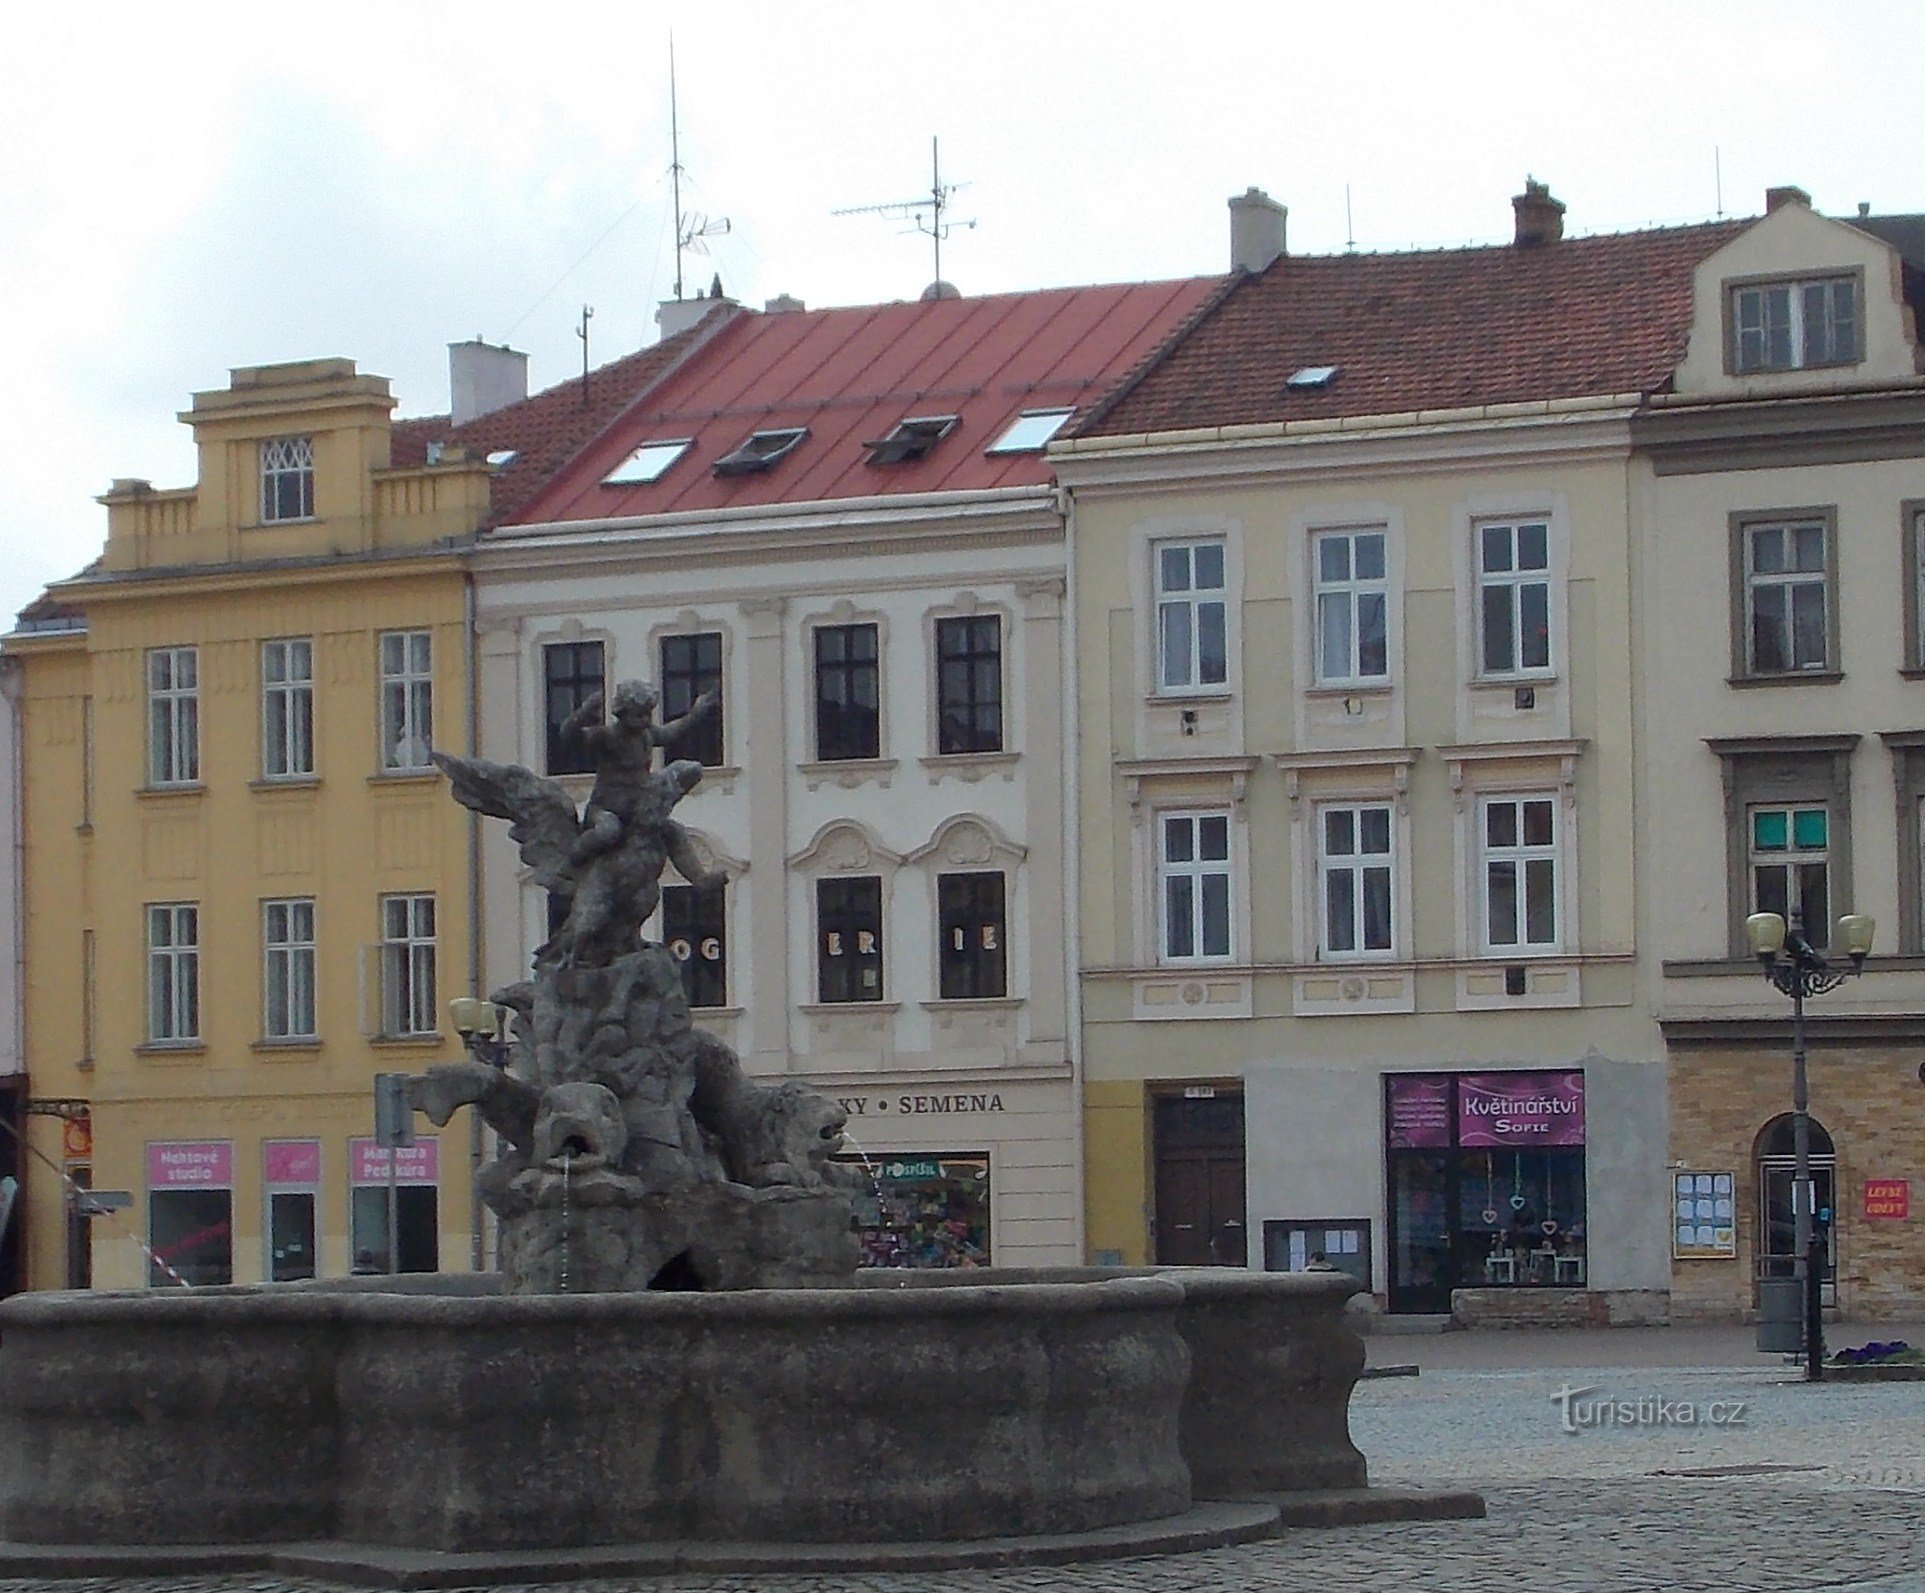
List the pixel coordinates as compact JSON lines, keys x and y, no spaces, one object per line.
{"x":678,"y":315}
{"x":1777,"y":198}
{"x":1256,"y":230}
{"x":1540,"y":218}
{"x":783,"y":304}
{"x":483,"y":378}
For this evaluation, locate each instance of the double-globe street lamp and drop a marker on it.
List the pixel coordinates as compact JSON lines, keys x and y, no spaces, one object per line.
{"x":1800,"y":970}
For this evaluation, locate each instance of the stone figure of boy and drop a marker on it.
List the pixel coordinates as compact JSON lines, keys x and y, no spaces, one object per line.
{"x":623,"y":751}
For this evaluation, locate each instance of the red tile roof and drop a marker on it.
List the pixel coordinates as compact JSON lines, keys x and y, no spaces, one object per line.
{"x":1436,"y":329}
{"x":850,"y":375}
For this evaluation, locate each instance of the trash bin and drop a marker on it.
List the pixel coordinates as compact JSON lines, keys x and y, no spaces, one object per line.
{"x":1781,"y":1316}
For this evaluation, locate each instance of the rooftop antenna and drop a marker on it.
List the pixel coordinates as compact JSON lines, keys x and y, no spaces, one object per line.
{"x":689,"y":230}
{"x":1349,"y":226}
{"x":914,"y":209}
{"x":1717,"y":179}
{"x":588,"y":314}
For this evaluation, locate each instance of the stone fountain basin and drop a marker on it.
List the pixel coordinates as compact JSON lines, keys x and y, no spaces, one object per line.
{"x":434,"y":1413}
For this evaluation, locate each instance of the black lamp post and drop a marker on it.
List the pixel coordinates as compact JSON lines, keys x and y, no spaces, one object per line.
{"x":1798,"y":969}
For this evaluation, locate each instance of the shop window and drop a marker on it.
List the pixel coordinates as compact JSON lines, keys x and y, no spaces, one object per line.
{"x":416,"y":1219}
{"x":924,"y":1211}
{"x":407,"y":700}
{"x":190,"y":1237}
{"x":849,"y":939}
{"x":291,"y":1177}
{"x":970,"y":908}
{"x":571,"y":672}
{"x":287,"y":708}
{"x":969,"y":684}
{"x":695,"y":930}
{"x":848,"y":692}
{"x":692,"y":665}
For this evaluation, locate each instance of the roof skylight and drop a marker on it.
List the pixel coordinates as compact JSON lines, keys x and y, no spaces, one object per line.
{"x":647,"y":463}
{"x":1030,"y":431}
{"x":1312,"y":376}
{"x":759,"y":450}
{"x":502,"y":458}
{"x":912,"y":439}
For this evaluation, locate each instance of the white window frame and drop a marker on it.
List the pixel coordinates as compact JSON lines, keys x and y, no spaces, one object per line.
{"x":1357,"y":863}
{"x":407,"y":700}
{"x":1519,"y":855}
{"x":1754,"y":323}
{"x":173,"y":973}
{"x":288,"y":953}
{"x":287,"y":685}
{"x":1185,"y":606}
{"x":408,"y":924}
{"x":173,"y":716}
{"x":1345,"y":595}
{"x":1791,"y":860}
{"x":1512,"y":582}
{"x":289,"y":459}
{"x":1791,"y":581}
{"x":1198,"y":870}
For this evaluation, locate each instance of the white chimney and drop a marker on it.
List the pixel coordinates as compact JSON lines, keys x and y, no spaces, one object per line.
{"x":483,"y":378}
{"x":1256,"y":230}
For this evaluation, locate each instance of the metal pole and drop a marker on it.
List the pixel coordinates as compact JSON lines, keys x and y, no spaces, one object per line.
{"x":1806,"y":1266}
{"x":394,"y":1208}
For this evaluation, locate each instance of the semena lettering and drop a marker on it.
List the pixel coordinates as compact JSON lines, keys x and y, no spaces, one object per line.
{"x":921,"y":1105}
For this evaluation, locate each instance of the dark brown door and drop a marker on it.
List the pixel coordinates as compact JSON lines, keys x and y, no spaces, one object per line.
{"x":1199,"y":1180}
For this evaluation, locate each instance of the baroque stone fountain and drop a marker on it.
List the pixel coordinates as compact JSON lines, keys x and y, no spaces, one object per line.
{"x":678,"y":1358}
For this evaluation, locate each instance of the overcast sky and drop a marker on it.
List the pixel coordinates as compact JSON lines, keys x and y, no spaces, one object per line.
{"x":189,"y":187}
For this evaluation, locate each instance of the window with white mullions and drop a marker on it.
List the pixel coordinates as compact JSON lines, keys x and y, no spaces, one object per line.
{"x":1786,"y":600}
{"x":1193,"y":886}
{"x":1787,"y":326}
{"x":1354,"y":862}
{"x":1520,"y":872}
{"x":287,"y":708}
{"x":407,"y":965}
{"x":1352,"y":607}
{"x":287,"y":943}
{"x":287,"y":479}
{"x":969,"y":684}
{"x":173,"y":972}
{"x":173,"y":716}
{"x":407,"y":700}
{"x":1790,"y":849}
{"x":1192,"y":637}
{"x":1514,"y":596}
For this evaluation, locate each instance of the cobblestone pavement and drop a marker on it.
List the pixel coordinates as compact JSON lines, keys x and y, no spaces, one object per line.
{"x":1810,"y":1488}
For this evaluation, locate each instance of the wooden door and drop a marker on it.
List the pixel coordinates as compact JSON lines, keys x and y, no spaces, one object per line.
{"x":1199,"y":1180}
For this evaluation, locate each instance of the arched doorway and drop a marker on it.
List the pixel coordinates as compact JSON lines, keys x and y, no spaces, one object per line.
{"x":1772,"y":1154}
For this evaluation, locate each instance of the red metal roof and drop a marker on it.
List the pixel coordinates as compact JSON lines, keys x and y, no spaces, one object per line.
{"x":1437,"y":329}
{"x":850,"y":375}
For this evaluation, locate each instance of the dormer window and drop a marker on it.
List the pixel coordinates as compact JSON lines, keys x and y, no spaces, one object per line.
{"x":287,"y":479}
{"x":1030,"y":432}
{"x":761,"y":450}
{"x":1792,"y":326}
{"x":912,"y":439}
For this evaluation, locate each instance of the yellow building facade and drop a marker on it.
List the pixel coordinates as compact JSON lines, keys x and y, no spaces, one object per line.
{"x":246,"y":892}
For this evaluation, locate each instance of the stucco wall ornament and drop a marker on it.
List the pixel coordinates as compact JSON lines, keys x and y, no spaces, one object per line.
{"x":635,"y":1154}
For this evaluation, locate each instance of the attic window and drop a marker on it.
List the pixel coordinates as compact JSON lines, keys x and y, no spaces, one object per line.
{"x":1030,"y":431}
{"x":761,"y":450}
{"x":1312,"y":376}
{"x":502,"y":458}
{"x":647,"y":463}
{"x":912,"y":439}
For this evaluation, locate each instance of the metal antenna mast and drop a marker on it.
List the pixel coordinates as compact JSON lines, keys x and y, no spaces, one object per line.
{"x":690,"y":230}
{"x":913,"y":209}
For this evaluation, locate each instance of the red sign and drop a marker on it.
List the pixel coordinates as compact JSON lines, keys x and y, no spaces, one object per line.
{"x":291,"y":1161}
{"x":419,"y":1163}
{"x":206,"y":1164}
{"x":1888,"y":1197}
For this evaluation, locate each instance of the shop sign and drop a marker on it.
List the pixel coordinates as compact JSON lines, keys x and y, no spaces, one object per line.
{"x":929,"y":1167}
{"x":419,"y":1163}
{"x":77,"y":1138}
{"x":1419,"y":1112}
{"x":920,"y":1105}
{"x":291,"y":1161}
{"x":1703,"y":1227}
{"x":1889,"y":1198}
{"x":1530,"y":1109}
{"x":205,"y":1164}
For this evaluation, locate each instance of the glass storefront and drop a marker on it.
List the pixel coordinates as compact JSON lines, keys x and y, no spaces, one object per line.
{"x":190,"y":1213}
{"x":924,"y":1211}
{"x":1486,"y":1174}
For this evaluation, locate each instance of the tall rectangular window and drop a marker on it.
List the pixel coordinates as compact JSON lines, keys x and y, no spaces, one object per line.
{"x":1354,"y":863}
{"x":969,"y":683}
{"x":287,"y":479}
{"x":695,"y":930}
{"x":1520,"y":872}
{"x":572,"y":672}
{"x":1514,"y":596}
{"x":287,"y":954}
{"x":173,"y":972}
{"x":848,"y":692}
{"x":848,"y":918}
{"x":1353,"y":640}
{"x":971,"y":920}
{"x":1787,"y":601}
{"x":173,"y":716}
{"x":287,"y":708}
{"x":407,"y":965}
{"x":692,"y":665}
{"x":407,"y":700}
{"x":1192,"y":624}
{"x":1786,"y":326}
{"x":1193,"y":886}
{"x":1790,"y":849}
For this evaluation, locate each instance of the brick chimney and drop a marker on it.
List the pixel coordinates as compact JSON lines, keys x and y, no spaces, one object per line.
{"x":483,"y":378}
{"x":1540,"y":218}
{"x":1256,"y":230}
{"x":1777,"y":198}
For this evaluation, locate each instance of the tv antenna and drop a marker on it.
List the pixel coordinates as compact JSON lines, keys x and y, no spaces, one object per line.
{"x":925,"y":212}
{"x":690,"y":230}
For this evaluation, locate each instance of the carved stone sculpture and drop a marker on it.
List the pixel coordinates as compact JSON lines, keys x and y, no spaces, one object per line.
{"x":634,"y":1151}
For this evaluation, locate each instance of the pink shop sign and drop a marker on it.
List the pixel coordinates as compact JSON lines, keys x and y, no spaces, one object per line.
{"x":1419,"y":1112}
{"x":419,"y":1163}
{"x":291,"y":1161}
{"x":197,"y":1164}
{"x":1520,"y":1109}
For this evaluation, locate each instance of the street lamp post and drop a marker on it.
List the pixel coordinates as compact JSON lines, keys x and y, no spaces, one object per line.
{"x":1797,"y":968}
